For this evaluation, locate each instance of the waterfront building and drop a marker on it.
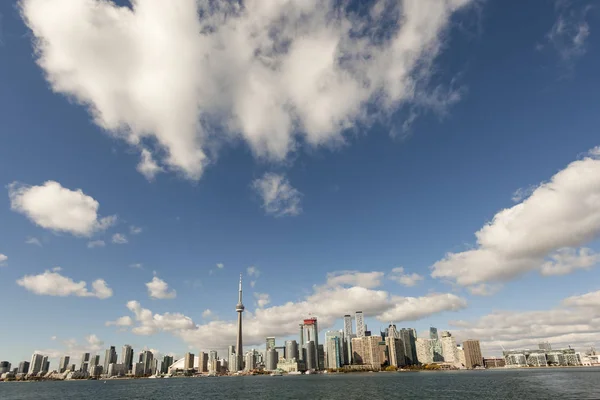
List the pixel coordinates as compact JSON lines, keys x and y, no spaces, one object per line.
{"x":63,"y":364}
{"x":360,"y":324}
{"x":138,"y":369}
{"x":348,"y":334}
{"x":232,"y":359}
{"x":494,"y":362}
{"x":95,"y":360}
{"x":95,"y":370}
{"x":473,"y":355}
{"x":239,"y":308}
{"x":537,"y":359}
{"x":188,"y":364}
{"x":291,"y":350}
{"x":395,"y":347}
{"x":85,"y":361}
{"x":202,"y":362}
{"x":72,"y":367}
{"x":110,"y":357}
{"x":36,"y":364}
{"x":166,"y":364}
{"x":127,"y":357}
{"x":213,"y":362}
{"x":290,"y":365}
{"x":249,"y":361}
{"x":4,"y":367}
{"x":367,"y":351}
{"x":310,"y":333}
{"x":310,"y":356}
{"x":436,"y":345}
{"x":334,"y":340}
{"x":449,"y":351}
{"x":424,"y":349}
{"x":271,"y":359}
{"x":146,"y":358}
{"x":115,"y":369}
{"x":24,"y":367}
{"x":156,"y":365}
{"x":410,"y":350}
{"x":45,"y":365}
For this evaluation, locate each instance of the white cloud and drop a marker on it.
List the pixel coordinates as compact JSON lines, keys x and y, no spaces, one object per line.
{"x":32,"y":240}
{"x":53,"y":338}
{"x":327,"y":303}
{"x":137,"y":266}
{"x":59,"y":209}
{"x":575,"y":322}
{"x":569,"y":33}
{"x":3,"y":259}
{"x":135,"y":230}
{"x":522,"y":193}
{"x":367,"y":280}
{"x":92,"y":344}
{"x":252,"y":284}
{"x":272,"y":73}
{"x":561,"y":213}
{"x":483,"y":289}
{"x":121,"y":322}
{"x":220,"y":265}
{"x":279,"y":197}
{"x":252,"y":271}
{"x":398,"y":275}
{"x":51,"y":283}
{"x":148,"y":166}
{"x":159,"y":289}
{"x":119,"y":238}
{"x":207,"y":313}
{"x":262,"y":299}
{"x":96,"y":243}
{"x":566,"y":260}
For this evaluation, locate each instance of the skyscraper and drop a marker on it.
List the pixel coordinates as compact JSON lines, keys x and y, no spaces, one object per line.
{"x":188,"y":362}
{"x":36,"y":363}
{"x":348,"y":335}
{"x":239,"y":308}
{"x":270,"y":343}
{"x":410,"y":349}
{"x":449,"y":349}
{"x":110,"y":357}
{"x":311,"y":334}
{"x":167,"y":362}
{"x":335,"y":348}
{"x":473,"y":356}
{"x":301,"y":343}
{"x":85,"y":361}
{"x":45,"y":365}
{"x":436,"y":345}
{"x":360,"y":324}
{"x":395,"y":346}
{"x":203,"y":362}
{"x":23,"y":367}
{"x":127,"y":357}
{"x":94,"y":361}
{"x":147,"y":358}
{"x":271,"y":358}
{"x":63,"y":365}
{"x":232,"y":359}
{"x":291,"y":349}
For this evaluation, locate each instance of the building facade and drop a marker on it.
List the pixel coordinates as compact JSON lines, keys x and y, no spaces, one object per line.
{"x":127,"y":357}
{"x":473,"y":357}
{"x":360,"y":324}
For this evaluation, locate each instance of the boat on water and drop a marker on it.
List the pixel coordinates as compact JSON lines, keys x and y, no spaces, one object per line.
{"x":310,"y":372}
{"x":276,"y":373}
{"x":295,"y":373}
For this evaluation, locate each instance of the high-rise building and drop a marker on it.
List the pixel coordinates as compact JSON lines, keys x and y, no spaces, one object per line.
{"x":239,"y":308}
{"x":188,"y":363}
{"x":301,"y":343}
{"x":436,"y":345}
{"x":271,"y":357}
{"x":291,"y":350}
{"x":395,"y":347}
{"x":367,"y":351}
{"x":203,"y":362}
{"x":348,"y":334}
{"x":270,"y":343}
{"x":45,"y":365}
{"x":63,"y":364}
{"x":127,"y":357}
{"x":36,"y":364}
{"x":334,"y":343}
{"x":85,"y":362}
{"x":473,"y":357}
{"x":213,"y":362}
{"x":449,"y":348}
{"x":410,"y":350}
{"x":95,"y":360}
{"x":311,"y":334}
{"x":433,"y":333}
{"x":249,"y":361}
{"x":360,"y":324}
{"x":232,"y":359}
{"x":167,"y":362}
{"x":110,"y":357}
{"x":424,"y":349}
{"x":147,"y":358}
{"x":4,"y":367}
{"x":23,"y":367}
{"x":311,"y":356}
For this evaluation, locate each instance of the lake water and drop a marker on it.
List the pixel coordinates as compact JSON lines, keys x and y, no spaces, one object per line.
{"x":573,"y":383}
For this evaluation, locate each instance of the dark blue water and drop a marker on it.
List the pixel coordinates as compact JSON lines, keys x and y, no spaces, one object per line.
{"x":574,"y":383}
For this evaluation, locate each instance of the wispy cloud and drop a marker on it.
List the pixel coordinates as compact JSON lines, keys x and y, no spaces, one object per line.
{"x":96,"y":243}
{"x":119,"y":238}
{"x":34,"y":241}
{"x":279,"y":197}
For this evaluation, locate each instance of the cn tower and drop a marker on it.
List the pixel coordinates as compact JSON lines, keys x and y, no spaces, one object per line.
{"x":240,"y":348}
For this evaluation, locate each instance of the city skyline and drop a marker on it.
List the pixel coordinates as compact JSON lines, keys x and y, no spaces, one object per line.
{"x":411,"y":162}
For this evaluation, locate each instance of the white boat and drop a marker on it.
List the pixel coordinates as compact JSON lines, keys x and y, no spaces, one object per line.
{"x":295,"y":373}
{"x":276,"y":373}
{"x":310,"y":372}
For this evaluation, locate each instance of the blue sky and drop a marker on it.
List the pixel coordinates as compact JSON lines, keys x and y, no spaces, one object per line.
{"x":322,"y":173}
